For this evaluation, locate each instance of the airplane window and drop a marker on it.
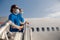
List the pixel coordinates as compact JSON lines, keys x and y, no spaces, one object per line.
{"x":32,"y":29}
{"x":52,"y":28}
{"x":57,"y":28}
{"x":48,"y":29}
{"x":43,"y":29}
{"x":37,"y":29}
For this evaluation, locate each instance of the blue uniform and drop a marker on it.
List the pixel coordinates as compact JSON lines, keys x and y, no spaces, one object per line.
{"x":16,"y":19}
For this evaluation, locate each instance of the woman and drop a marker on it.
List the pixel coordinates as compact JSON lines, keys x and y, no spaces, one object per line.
{"x":16,"y":18}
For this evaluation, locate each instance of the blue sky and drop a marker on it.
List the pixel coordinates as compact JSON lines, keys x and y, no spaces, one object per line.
{"x":32,"y":8}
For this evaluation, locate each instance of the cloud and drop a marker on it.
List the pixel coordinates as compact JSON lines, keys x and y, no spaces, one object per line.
{"x":53,"y":8}
{"x":53,"y":15}
{"x":53,"y":11}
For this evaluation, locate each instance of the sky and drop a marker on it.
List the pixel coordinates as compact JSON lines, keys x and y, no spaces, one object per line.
{"x":32,"y":8}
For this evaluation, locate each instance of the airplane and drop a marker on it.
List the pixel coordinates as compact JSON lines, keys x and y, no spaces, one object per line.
{"x":41,"y":29}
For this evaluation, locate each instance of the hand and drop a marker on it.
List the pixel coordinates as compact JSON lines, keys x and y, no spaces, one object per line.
{"x":20,"y":27}
{"x":13,"y":27}
{"x":27,"y":22}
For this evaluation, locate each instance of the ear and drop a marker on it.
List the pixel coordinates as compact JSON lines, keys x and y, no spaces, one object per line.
{"x":21,"y":10}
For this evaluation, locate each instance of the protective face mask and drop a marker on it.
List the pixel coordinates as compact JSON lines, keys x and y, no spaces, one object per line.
{"x":17,"y":11}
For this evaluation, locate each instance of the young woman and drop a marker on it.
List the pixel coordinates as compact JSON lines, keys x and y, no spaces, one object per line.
{"x":16,"y":17}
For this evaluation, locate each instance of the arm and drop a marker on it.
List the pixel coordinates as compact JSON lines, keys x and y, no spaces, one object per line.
{"x":11,"y":18}
{"x":13,"y":25}
{"x":21,"y":19}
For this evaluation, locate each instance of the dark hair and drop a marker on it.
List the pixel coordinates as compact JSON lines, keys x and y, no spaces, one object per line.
{"x":13,"y":6}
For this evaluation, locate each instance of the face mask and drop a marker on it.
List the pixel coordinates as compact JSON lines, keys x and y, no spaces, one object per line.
{"x":17,"y":11}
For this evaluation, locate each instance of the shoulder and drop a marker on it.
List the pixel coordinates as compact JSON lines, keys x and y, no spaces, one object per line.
{"x":11,"y":15}
{"x":19,"y":14}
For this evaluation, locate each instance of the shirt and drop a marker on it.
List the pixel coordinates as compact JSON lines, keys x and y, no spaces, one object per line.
{"x":16,"y":19}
